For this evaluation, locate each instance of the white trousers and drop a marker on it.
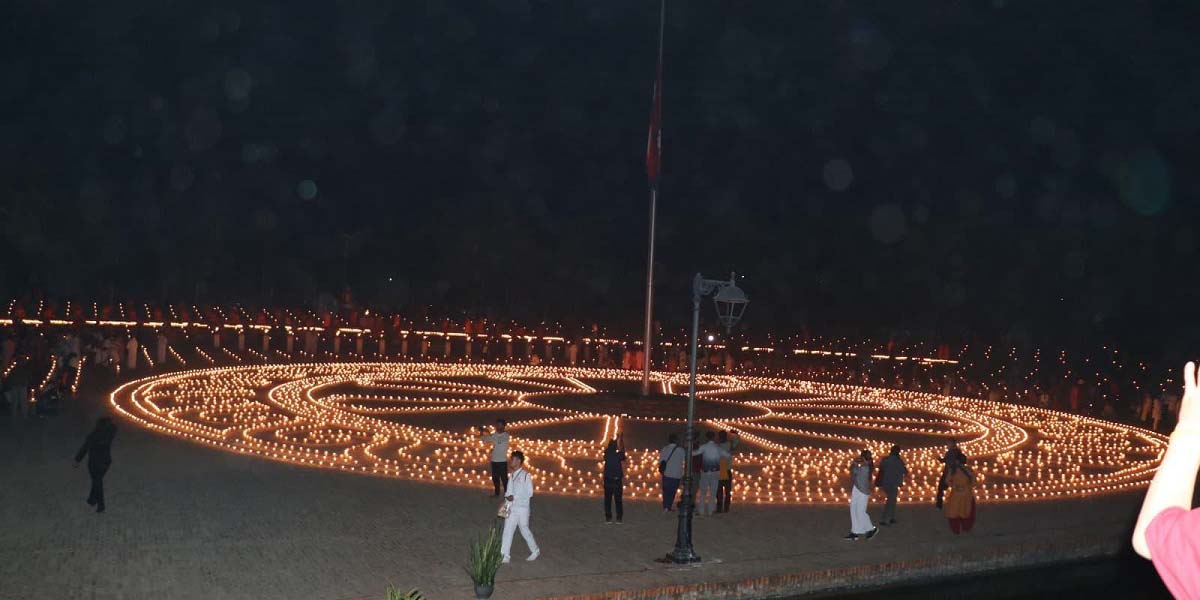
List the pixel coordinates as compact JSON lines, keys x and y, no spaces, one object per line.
{"x":860,"y":522}
{"x":706,"y":500}
{"x":517,"y":518}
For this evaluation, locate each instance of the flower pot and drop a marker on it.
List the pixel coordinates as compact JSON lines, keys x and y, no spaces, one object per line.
{"x":483,"y":592}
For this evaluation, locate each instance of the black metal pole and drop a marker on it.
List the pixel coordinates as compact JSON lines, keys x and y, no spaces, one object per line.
{"x":684,"y":552}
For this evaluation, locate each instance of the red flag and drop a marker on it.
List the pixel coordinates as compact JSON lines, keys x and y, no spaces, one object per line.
{"x":654,"y":139}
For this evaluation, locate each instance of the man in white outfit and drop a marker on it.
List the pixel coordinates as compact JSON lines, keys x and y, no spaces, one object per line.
{"x":160,"y":348}
{"x":520,"y":490}
{"x":860,"y":495}
{"x":710,"y":473}
{"x":131,"y":350}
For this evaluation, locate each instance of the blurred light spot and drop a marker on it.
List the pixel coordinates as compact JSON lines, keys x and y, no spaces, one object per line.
{"x":93,"y":197}
{"x":888,"y":223}
{"x":1042,"y":130}
{"x":921,"y":213}
{"x":1185,"y":240}
{"x":1006,"y":187}
{"x":181,"y":177}
{"x":210,"y":28}
{"x":387,"y":127}
{"x":238,"y":84}
{"x":1144,"y":182}
{"x":265,"y":219}
{"x":203,"y":130}
{"x":1103,"y":214}
{"x":869,"y":50}
{"x":312,"y":148}
{"x":114,"y":130}
{"x":953,"y":294}
{"x":838,"y":175}
{"x":1047,"y":208}
{"x":233,"y":22}
{"x":256,"y":152}
{"x":1073,"y":264}
{"x":251,"y":153}
{"x":1067,"y":149}
{"x":307,"y":189}
{"x":814,"y":206}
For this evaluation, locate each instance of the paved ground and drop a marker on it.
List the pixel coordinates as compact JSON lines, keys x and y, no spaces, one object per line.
{"x":187,"y":522}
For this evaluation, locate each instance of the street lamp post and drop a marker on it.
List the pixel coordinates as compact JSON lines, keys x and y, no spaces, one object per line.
{"x":730,"y":302}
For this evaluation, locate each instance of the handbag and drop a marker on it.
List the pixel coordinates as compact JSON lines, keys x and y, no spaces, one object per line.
{"x":662,"y":464}
{"x":505,"y":509}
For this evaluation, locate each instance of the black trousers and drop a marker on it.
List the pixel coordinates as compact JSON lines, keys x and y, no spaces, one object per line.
{"x":96,"y":497}
{"x":942,"y":485}
{"x":500,"y":477}
{"x":612,"y":493}
{"x":724,"y":493}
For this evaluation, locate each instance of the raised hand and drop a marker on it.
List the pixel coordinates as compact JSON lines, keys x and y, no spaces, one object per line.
{"x":1189,"y":407}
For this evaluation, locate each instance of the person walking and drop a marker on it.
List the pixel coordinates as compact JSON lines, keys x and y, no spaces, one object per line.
{"x":891,"y":474}
{"x":960,"y":506}
{"x":98,"y":450}
{"x":499,"y":440}
{"x":519,"y":495}
{"x":952,"y":452}
{"x":160,"y":348}
{"x":8,"y":349}
{"x":725,"y":481}
{"x":131,"y":352}
{"x":1156,"y":412}
{"x":614,"y":475}
{"x":16,"y":388}
{"x":860,"y":495}
{"x":671,"y":470}
{"x":710,"y":470}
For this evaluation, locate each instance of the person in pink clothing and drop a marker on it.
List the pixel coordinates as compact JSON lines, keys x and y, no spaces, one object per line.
{"x":1168,"y":529}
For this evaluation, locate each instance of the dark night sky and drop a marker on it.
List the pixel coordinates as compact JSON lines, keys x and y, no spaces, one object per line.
{"x":999,"y":167}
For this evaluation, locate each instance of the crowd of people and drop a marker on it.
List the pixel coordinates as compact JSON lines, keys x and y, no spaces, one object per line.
{"x":711,"y":466}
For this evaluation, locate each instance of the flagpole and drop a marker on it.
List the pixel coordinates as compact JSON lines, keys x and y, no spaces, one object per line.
{"x":646,"y":347}
{"x":649,"y":295}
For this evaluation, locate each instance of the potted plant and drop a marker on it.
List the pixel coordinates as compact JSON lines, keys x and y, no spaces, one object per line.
{"x":393,"y":593}
{"x":485,"y":561}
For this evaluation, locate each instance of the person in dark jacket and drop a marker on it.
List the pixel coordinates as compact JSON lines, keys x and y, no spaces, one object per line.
{"x":891,"y":475}
{"x":614,"y":475}
{"x":98,"y":449}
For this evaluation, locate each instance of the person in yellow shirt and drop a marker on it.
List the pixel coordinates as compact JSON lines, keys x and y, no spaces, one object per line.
{"x":725,"y":484}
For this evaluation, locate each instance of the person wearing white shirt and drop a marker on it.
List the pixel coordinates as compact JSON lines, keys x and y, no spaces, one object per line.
{"x":160,"y":348}
{"x":499,"y":441}
{"x":131,"y":350}
{"x":710,"y":472}
{"x":520,"y":491}
{"x":670,"y":459}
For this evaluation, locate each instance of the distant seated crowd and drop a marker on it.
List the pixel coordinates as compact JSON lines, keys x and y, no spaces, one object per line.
{"x":44,"y":345}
